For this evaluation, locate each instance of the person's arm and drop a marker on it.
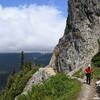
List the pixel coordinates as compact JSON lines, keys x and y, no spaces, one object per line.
{"x":85,"y":71}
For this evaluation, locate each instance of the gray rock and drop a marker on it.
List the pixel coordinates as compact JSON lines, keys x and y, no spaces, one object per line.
{"x":80,"y":41}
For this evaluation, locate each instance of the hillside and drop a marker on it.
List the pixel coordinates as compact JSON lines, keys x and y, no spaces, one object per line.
{"x":64,"y":77}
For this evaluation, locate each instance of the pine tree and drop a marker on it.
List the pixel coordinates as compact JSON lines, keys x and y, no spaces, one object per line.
{"x":22,"y":60}
{"x":13,"y":71}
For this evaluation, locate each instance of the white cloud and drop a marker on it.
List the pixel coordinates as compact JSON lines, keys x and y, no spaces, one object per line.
{"x":30,"y":28}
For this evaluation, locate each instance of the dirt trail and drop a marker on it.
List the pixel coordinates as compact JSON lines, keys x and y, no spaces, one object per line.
{"x":88,"y":92}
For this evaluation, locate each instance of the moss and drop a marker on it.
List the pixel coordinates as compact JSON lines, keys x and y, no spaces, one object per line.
{"x":89,"y":25}
{"x":78,"y":33}
{"x":67,"y":57}
{"x":56,"y":54}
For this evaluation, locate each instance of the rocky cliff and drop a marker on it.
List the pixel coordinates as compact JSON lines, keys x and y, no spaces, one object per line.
{"x":81,"y":38}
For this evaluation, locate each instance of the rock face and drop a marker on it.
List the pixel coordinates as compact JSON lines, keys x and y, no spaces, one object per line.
{"x":81,"y":38}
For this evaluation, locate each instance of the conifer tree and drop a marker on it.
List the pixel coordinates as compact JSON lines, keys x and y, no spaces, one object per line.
{"x":22,"y":60}
{"x":13,"y":71}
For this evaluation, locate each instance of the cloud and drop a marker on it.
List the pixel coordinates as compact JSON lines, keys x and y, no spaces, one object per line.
{"x":30,"y":28}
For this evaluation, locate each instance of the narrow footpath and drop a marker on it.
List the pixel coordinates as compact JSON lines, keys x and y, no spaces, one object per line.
{"x":88,"y":92}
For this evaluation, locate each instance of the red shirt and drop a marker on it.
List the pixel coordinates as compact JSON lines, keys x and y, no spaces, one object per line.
{"x":88,"y":70}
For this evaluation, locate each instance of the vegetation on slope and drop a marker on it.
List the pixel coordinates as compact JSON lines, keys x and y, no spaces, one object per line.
{"x":96,"y":72}
{"x":58,"y":87}
{"x":80,"y":73}
{"x":96,"y":60}
{"x":96,"y":65}
{"x":17,"y":82}
{"x":3,"y":78}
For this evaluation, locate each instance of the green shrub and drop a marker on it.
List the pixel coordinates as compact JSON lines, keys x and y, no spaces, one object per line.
{"x":10,"y":81}
{"x":96,"y":71}
{"x":96,"y":60}
{"x":80,"y":73}
{"x":58,"y":87}
{"x":96,"y":66}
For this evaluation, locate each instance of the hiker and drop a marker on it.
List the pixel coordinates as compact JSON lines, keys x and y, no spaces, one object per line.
{"x":88,"y":71}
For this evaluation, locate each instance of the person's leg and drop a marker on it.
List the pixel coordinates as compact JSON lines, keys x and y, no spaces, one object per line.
{"x":89,"y":78}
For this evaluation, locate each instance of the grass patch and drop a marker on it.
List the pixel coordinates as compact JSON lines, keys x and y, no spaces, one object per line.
{"x":58,"y":87}
{"x":80,"y":73}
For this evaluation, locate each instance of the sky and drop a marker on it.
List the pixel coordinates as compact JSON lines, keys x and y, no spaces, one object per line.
{"x":31,"y":25}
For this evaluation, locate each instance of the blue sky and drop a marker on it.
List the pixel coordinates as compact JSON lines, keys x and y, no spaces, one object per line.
{"x":59,"y":4}
{"x":31,"y":25}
